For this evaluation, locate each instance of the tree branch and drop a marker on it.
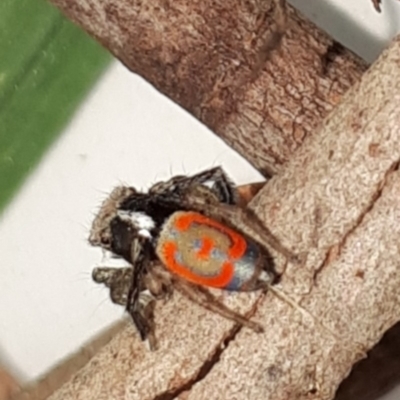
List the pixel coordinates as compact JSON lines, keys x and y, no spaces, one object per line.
{"x":205,"y":56}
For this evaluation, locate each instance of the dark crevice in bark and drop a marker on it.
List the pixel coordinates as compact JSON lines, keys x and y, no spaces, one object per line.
{"x":209,"y":364}
{"x":205,"y":368}
{"x":339,"y":246}
{"x":370,"y":206}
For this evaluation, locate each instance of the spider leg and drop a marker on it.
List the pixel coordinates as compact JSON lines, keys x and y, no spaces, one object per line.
{"x":241,"y":219}
{"x":204,"y":298}
{"x":146,"y":313}
{"x":157,"y":282}
{"x":140,"y":260}
{"x":250,"y":220}
{"x":219,"y":183}
{"x":117,"y":280}
{"x":214,"y":180}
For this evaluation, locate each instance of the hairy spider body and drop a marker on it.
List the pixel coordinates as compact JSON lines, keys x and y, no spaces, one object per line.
{"x":186,"y":234}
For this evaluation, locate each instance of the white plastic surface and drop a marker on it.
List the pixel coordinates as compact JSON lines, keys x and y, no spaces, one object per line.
{"x":125,"y":132}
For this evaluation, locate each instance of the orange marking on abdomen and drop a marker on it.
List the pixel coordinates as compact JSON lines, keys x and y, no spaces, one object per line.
{"x":221,"y":280}
{"x":239,"y":244}
{"x":207,"y":246}
{"x":183,"y":222}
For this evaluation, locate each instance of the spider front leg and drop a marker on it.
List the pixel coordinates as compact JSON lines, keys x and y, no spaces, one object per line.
{"x":117,"y":280}
{"x":140,"y":256}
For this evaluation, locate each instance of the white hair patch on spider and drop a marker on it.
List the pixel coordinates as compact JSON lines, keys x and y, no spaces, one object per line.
{"x":209,"y":183}
{"x":140,"y":220}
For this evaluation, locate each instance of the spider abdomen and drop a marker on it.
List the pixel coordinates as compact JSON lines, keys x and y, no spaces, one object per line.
{"x":206,"y":252}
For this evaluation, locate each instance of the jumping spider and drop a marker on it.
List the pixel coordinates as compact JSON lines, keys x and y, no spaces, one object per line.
{"x":187,"y":234}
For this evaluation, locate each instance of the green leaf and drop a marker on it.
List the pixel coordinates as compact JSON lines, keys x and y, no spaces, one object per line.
{"x":47,"y":65}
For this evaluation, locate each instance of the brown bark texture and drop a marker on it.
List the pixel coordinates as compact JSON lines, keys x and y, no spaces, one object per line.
{"x":8,"y":385}
{"x":208,"y":56}
{"x":334,"y":200}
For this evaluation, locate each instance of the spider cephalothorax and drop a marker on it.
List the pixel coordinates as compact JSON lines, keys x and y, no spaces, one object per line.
{"x":187,"y":234}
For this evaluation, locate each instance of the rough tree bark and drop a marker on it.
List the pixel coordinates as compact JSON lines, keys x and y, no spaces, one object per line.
{"x":8,"y":385}
{"x":205,"y":55}
{"x":334,"y":200}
